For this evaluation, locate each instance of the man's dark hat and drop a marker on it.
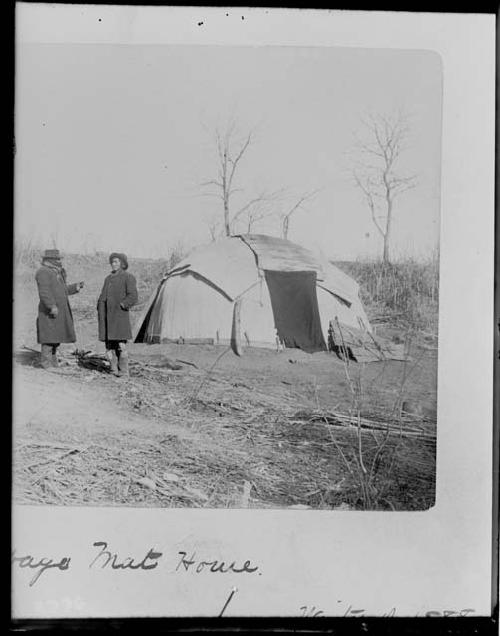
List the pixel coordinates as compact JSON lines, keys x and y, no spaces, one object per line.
{"x":121,"y":257}
{"x":51,"y":254}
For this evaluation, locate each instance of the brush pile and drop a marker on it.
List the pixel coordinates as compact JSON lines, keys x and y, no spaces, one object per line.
{"x":93,"y":361}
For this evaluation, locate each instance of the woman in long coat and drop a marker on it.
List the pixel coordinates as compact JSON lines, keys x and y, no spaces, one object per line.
{"x":118,"y":294}
{"x":55,"y":320}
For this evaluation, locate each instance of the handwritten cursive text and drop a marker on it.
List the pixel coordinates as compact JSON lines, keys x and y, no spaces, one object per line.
{"x":106,"y":557}
{"x":40,"y":565}
{"x":191,"y":564}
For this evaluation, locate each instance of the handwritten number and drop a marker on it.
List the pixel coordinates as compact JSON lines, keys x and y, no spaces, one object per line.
{"x":233,"y":591}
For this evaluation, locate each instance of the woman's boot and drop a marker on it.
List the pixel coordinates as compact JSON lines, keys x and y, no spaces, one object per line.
{"x":113,"y":361}
{"x":46,"y":357}
{"x":123,"y":363}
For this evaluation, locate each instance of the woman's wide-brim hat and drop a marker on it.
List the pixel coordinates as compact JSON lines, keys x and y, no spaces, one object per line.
{"x":121,"y":257}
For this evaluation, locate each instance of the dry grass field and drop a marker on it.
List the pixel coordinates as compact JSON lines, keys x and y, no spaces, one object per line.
{"x":197,"y":426}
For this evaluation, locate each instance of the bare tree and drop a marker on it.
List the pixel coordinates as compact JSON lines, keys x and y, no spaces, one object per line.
{"x":238,"y":213}
{"x":264,"y":205}
{"x":230,"y":152}
{"x":377,"y":171}
{"x":286,"y":216}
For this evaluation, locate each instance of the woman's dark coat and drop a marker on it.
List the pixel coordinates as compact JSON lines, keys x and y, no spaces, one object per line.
{"x":118,"y":294}
{"x":53,"y":292}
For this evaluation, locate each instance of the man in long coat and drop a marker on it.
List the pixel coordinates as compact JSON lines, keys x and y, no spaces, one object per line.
{"x":55,"y":320}
{"x":118,"y":294}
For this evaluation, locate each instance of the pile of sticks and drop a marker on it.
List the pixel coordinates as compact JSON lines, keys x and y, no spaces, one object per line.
{"x":92,"y":360}
{"x":399,"y":428}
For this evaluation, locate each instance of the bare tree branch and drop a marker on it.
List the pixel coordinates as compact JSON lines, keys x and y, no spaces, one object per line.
{"x":228,"y":160}
{"x":248,"y":205}
{"x":263,"y":197}
{"x":234,"y":162}
{"x":212,"y":182}
{"x":285,"y":217}
{"x":230,"y":152}
{"x":375,"y":171}
{"x":369,"y":198}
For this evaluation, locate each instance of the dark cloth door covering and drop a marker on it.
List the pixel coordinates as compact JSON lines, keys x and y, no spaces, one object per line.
{"x":295,"y":309}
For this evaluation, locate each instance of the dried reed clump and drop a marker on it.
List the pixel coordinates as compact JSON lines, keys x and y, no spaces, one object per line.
{"x":28,"y":253}
{"x":406,"y":291}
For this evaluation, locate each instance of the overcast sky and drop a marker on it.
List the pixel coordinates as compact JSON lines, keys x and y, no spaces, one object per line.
{"x":113,"y":142}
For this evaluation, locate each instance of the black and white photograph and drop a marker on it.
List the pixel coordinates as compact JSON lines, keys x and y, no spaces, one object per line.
{"x":227,"y":265}
{"x":227,"y":276}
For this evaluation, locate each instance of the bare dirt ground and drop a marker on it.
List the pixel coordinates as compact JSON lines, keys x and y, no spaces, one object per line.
{"x":221,"y":430}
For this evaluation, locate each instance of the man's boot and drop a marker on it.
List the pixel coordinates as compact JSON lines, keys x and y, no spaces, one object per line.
{"x":49,"y":361}
{"x":55,"y":361}
{"x":113,"y":361}
{"x":123,"y":363}
{"x":46,"y":357}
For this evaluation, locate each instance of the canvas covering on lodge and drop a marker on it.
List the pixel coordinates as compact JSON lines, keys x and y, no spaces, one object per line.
{"x":281,"y":289}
